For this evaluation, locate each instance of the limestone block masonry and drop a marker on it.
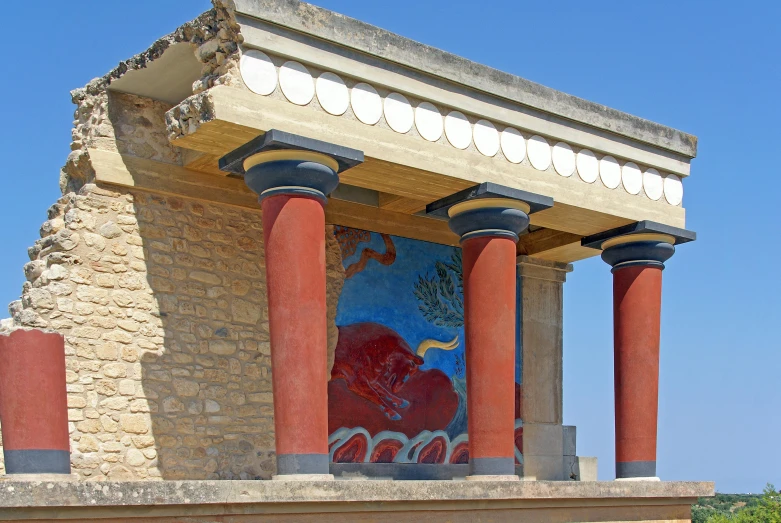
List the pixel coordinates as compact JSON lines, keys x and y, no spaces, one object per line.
{"x":162,"y":302}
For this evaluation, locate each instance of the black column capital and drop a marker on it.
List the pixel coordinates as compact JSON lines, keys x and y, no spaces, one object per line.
{"x":645,"y":243}
{"x":284,"y":163}
{"x":489,"y":209}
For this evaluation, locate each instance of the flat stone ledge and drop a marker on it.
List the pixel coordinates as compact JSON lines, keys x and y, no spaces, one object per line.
{"x":60,"y":494}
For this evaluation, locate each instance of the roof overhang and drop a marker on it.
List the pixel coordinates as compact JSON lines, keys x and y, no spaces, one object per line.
{"x":404,"y":170}
{"x":169,"y":78}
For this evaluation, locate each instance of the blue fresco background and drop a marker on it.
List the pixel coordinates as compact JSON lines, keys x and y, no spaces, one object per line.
{"x":385,"y":295}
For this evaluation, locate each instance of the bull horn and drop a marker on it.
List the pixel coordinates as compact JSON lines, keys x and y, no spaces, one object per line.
{"x":435,"y":344}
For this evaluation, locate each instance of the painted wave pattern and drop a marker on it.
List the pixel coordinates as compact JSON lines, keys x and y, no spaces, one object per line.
{"x":356,"y":445}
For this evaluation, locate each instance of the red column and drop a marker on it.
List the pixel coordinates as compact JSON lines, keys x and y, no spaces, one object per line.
{"x":637,"y":252}
{"x":293,"y":230}
{"x":637,"y":301}
{"x":489,"y":307}
{"x":33,"y":403}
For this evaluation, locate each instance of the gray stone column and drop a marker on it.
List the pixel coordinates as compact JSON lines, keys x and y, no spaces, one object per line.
{"x":540,"y":317}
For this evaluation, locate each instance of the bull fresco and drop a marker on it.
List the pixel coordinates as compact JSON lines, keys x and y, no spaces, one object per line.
{"x":397,"y":392}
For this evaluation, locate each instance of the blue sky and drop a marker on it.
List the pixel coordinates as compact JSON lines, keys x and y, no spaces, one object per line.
{"x":709,"y":68}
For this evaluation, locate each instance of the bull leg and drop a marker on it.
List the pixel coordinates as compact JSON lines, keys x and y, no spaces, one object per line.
{"x":399,"y":403}
{"x":365,"y":389}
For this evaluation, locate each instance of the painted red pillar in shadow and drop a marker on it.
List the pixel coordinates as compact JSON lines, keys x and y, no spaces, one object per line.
{"x":293,"y":176}
{"x":637,"y":303}
{"x":33,"y":403}
{"x":489,"y":313}
{"x":293,"y":231}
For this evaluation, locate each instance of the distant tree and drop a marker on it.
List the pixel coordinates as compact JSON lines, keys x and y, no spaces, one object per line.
{"x":767,"y":509}
{"x":701,"y":514}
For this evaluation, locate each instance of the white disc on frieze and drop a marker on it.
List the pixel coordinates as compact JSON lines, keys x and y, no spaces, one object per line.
{"x":296,"y":83}
{"x":486,"y":138}
{"x":563,"y":159}
{"x":332,"y":93}
{"x":428,"y":121}
{"x":632,"y":178}
{"x":588,"y":166}
{"x":458,"y":130}
{"x":399,"y":113}
{"x":258,"y":72}
{"x":653,"y":184}
{"x":610,"y":172}
{"x":539,"y":152}
{"x":673,"y":189}
{"x":513,"y":145}
{"x":366,"y":103}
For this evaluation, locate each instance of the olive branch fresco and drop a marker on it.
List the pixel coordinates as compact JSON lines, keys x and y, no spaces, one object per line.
{"x":440,"y":296}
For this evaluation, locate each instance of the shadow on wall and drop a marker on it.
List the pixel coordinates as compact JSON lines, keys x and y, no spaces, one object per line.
{"x":209,"y":388}
{"x":162,"y":302}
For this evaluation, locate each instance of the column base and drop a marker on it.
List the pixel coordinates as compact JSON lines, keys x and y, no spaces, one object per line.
{"x":492,"y":466}
{"x":303,"y":477}
{"x":636,"y":469}
{"x":639,"y":479}
{"x":302,"y":464}
{"x":493,"y":478}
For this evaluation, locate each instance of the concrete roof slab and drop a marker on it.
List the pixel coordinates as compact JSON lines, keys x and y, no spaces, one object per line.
{"x":366,"y":38}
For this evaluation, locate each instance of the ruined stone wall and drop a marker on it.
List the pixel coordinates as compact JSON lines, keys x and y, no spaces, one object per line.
{"x":162,"y":302}
{"x":215,"y":39}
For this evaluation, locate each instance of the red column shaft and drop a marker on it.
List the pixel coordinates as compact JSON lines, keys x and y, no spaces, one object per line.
{"x":637,"y":303}
{"x":33,"y":403}
{"x":293,"y":230}
{"x":489,"y":306}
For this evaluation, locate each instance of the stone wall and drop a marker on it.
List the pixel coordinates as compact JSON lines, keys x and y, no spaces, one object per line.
{"x":214,"y":38}
{"x":162,"y":302}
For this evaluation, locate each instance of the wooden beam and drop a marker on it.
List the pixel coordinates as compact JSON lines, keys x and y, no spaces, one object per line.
{"x":542,"y":240}
{"x":405,"y":165}
{"x":149,"y":175}
{"x":341,"y":212}
{"x":568,"y":253}
{"x":166,"y":178}
{"x":553,"y":245}
{"x":201,"y":162}
{"x":153,"y":176}
{"x":393,"y":202}
{"x":576,"y":220}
